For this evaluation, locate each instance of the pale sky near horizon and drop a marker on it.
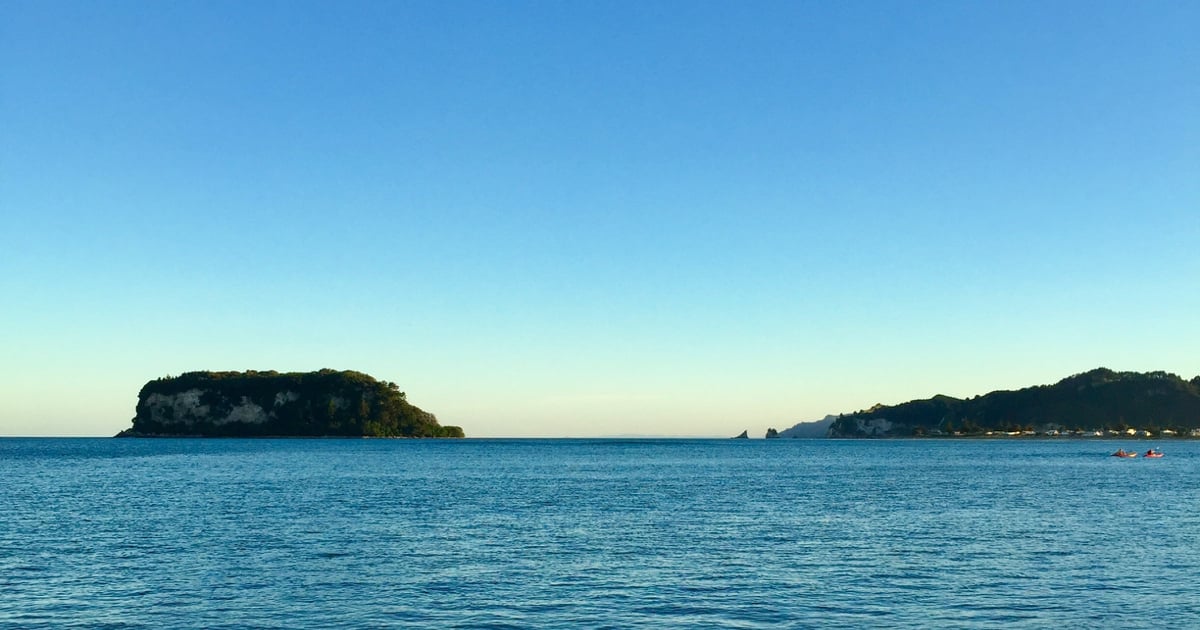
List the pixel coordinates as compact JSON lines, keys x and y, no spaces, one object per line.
{"x":595,"y":218}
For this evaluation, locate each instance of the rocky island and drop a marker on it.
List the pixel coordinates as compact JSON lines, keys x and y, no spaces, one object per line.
{"x":326,"y":403}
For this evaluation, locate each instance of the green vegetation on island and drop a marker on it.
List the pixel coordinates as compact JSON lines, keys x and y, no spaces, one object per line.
{"x":294,"y":404}
{"x":1155,"y":403}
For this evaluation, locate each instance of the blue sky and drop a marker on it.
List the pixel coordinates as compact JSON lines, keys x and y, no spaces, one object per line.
{"x":579,"y":219}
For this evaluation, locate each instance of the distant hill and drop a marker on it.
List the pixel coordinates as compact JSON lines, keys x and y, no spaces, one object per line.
{"x":813,"y":429}
{"x":246,"y":404}
{"x":1096,"y":400}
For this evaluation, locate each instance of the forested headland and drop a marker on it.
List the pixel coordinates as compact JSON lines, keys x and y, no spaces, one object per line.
{"x":1101,"y":400}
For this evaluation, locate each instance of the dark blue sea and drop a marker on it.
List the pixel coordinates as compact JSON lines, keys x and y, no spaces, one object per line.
{"x":180,"y":533}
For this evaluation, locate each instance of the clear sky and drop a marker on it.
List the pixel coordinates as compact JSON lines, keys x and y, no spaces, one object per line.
{"x":595,"y":218}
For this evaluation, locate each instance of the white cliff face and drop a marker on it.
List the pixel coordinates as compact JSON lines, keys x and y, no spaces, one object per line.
{"x":874,"y":426}
{"x":187,"y":409}
{"x":183,"y":408}
{"x":283,"y":398}
{"x":246,"y":412}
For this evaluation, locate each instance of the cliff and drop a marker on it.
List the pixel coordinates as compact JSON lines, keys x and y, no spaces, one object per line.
{"x":246,"y":404}
{"x":1097,"y":400}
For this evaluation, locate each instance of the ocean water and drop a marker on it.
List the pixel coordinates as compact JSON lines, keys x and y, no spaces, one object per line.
{"x":471,"y":533}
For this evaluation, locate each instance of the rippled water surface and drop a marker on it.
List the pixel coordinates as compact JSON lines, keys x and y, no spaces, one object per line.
{"x":597,"y":533}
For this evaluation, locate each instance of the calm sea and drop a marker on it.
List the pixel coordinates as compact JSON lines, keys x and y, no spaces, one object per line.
{"x":597,"y":534}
